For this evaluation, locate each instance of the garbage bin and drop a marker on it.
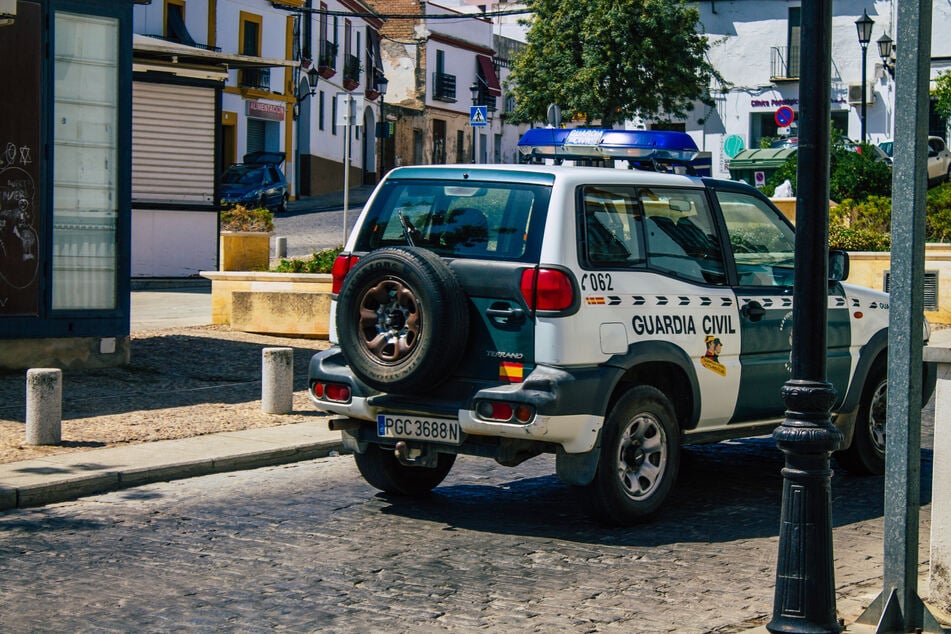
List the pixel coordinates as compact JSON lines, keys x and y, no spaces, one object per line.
{"x":756,"y":166}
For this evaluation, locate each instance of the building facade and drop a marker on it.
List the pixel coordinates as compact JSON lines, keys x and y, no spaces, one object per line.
{"x":756,"y":49}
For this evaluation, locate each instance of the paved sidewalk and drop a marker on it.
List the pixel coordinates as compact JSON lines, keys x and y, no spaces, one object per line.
{"x":63,"y":477}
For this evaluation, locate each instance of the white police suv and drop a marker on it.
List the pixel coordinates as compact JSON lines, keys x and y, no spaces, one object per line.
{"x":607,"y":316}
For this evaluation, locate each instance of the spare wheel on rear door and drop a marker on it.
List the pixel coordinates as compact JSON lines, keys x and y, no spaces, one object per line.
{"x":402,"y":319}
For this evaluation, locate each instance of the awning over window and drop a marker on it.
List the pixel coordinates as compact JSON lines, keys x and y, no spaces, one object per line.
{"x":488,"y":76}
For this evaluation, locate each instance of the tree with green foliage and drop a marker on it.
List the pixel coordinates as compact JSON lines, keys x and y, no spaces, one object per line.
{"x":608,"y":61}
{"x":942,"y":95}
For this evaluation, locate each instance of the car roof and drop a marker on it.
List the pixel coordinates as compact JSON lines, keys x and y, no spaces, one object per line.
{"x":544,"y":174}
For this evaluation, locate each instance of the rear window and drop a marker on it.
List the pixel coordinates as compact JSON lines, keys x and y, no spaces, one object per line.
{"x":482,"y":220}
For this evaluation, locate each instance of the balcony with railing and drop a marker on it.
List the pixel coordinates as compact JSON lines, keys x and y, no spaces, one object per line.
{"x":484,"y":98}
{"x":255,"y":78}
{"x":327,"y":59}
{"x":444,"y":87}
{"x":351,"y":72}
{"x":784,"y":63}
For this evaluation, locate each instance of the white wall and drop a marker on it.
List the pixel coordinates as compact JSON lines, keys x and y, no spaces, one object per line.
{"x":173,"y":243}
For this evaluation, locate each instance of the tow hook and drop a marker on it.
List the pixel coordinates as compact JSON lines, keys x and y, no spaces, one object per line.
{"x":414,"y":457}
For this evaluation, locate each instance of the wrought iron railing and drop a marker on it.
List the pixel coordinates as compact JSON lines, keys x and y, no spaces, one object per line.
{"x":328,"y":54}
{"x":259,"y":78}
{"x":444,"y":87}
{"x":784,"y":62}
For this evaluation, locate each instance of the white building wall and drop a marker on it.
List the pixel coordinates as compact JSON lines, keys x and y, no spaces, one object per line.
{"x":741,"y":35}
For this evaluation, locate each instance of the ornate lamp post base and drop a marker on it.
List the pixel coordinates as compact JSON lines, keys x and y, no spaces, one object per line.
{"x":804,"y":599}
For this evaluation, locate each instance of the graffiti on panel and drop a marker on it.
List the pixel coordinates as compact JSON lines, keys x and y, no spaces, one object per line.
{"x":19,"y":261}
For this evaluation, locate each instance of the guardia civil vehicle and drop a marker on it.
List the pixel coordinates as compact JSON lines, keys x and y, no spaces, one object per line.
{"x":606,"y":316}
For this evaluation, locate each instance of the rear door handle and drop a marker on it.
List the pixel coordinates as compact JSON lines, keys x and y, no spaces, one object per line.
{"x":506,"y":315}
{"x":753,"y":310}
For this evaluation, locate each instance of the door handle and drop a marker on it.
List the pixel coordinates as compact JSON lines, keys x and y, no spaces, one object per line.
{"x":506,"y":315}
{"x":753,"y":310}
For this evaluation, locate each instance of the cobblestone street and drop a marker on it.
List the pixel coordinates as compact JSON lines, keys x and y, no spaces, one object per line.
{"x":310,"y":546}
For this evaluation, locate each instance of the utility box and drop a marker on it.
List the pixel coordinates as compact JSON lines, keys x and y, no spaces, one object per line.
{"x":756,"y":166}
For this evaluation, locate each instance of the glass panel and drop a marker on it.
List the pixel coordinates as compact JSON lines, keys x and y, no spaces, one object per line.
{"x":763,"y":244}
{"x":681,"y":238}
{"x":85,"y":197}
{"x":612,"y":227}
{"x":464,"y":218}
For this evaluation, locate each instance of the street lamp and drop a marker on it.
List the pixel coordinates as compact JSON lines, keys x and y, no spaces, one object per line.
{"x":864,"y":28}
{"x":383,"y":127}
{"x":885,"y":49}
{"x":474,"y":89}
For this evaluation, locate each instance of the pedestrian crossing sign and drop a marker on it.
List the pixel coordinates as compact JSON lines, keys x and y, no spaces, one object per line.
{"x":478,"y":116}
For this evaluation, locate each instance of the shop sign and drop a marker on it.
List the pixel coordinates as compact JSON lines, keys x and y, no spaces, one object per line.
{"x":262,"y":110}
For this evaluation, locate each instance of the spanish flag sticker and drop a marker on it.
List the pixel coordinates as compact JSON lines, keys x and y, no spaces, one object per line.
{"x":510,"y":371}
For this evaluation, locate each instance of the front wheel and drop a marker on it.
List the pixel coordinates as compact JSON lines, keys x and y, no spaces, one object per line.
{"x":382,"y":470}
{"x":866,"y":454}
{"x":640,"y":457}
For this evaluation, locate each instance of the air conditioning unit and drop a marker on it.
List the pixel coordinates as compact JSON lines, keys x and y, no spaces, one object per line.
{"x":855,"y":94}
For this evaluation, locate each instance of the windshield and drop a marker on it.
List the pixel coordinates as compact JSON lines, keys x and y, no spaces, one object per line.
{"x":487,"y":220}
{"x":243,"y":175}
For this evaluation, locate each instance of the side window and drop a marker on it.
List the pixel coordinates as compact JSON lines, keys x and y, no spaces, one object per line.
{"x":763,"y":244}
{"x":612,"y":233}
{"x":681,"y":236}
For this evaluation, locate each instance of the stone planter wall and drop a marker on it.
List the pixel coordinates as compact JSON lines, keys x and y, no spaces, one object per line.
{"x":293,"y":304}
{"x":244,"y":251}
{"x":867,"y":268}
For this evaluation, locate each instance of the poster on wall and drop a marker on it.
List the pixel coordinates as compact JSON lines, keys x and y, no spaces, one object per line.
{"x":20,"y":217}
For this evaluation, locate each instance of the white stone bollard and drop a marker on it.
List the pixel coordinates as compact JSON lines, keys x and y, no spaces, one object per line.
{"x":939,"y":581}
{"x":44,"y":406}
{"x":277,"y":380}
{"x":280,"y":247}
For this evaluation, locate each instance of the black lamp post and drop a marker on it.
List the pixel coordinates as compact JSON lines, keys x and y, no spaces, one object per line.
{"x":804,"y":599}
{"x":384,"y":127}
{"x":885,"y":48}
{"x":864,"y":27}
{"x":474,"y":89}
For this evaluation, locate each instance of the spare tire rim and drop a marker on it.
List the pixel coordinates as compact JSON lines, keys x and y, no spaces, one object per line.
{"x":642,"y":456}
{"x":390,"y":320}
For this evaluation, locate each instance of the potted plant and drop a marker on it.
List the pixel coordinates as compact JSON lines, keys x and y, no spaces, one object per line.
{"x":245,"y":239}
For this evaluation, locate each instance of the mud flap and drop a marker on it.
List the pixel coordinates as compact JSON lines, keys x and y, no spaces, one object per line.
{"x":577,"y":469}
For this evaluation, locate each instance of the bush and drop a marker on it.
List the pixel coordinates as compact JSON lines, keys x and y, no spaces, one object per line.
{"x":319,"y":262}
{"x":938,"y":216}
{"x":851,"y":239}
{"x":240,"y":218}
{"x":851,"y":175}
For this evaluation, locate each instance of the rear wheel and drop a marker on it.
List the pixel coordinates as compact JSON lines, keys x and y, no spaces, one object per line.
{"x":382,"y":470}
{"x":640,"y":457}
{"x":866,"y":454}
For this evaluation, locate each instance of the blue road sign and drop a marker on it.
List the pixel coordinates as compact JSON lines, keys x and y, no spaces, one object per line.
{"x":478,"y":116}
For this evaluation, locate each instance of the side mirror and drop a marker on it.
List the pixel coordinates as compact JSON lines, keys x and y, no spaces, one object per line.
{"x":838,"y":265}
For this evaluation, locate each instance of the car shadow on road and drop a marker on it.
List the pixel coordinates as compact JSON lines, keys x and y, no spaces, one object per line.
{"x":725,"y":492}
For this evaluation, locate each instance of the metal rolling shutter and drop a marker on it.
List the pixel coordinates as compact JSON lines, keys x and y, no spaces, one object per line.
{"x":257,"y":130}
{"x":173,"y":143}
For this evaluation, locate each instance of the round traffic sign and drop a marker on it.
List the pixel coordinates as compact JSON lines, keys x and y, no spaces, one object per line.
{"x":733,"y":145}
{"x":784,"y":116}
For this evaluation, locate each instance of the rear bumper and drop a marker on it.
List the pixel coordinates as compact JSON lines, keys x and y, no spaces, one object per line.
{"x":561,"y":417}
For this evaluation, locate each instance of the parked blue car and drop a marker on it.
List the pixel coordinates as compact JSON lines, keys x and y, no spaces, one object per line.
{"x":257,"y":182}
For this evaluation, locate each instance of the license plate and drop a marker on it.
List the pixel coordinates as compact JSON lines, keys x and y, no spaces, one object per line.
{"x":415,"y":428}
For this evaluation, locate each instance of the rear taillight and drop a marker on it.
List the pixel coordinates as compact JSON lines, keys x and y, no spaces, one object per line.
{"x":504,"y":412}
{"x":547,"y":289}
{"x":337,"y":392}
{"x":341,"y":267}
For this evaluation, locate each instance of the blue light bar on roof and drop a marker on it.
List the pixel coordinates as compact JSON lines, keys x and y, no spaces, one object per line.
{"x":635,"y":145}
